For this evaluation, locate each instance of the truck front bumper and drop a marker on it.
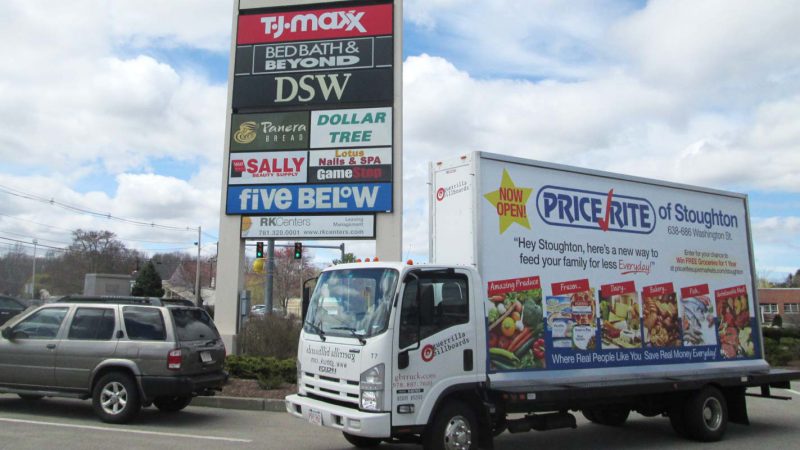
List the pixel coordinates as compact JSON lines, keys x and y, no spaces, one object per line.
{"x":352,"y":421}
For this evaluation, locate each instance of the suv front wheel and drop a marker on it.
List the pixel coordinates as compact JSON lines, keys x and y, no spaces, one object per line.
{"x":116,"y":398}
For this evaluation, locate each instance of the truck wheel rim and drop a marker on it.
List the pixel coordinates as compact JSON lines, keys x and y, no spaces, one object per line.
{"x":712,"y":413}
{"x":457,"y":434}
{"x":113,"y":398}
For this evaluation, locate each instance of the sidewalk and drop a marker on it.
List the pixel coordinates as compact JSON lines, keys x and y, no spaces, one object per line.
{"x":250,"y":404}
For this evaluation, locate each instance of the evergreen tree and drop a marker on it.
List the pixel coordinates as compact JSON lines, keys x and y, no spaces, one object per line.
{"x":148,"y":283}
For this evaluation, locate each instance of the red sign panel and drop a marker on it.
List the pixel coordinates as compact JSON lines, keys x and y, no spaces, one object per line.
{"x":514,"y":285}
{"x":315,"y":24}
{"x":570,"y":287}
{"x":694,"y":291}
{"x":607,"y":290}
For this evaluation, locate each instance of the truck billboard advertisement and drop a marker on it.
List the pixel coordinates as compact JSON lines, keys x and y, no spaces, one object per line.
{"x":591,"y":270}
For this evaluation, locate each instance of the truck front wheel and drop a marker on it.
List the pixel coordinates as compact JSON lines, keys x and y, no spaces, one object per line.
{"x":361,"y":441}
{"x":454,"y":428}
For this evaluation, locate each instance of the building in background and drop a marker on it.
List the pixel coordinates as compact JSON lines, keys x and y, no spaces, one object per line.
{"x":780,"y":301}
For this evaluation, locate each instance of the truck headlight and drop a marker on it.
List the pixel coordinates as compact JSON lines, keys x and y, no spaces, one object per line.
{"x":371,"y":385}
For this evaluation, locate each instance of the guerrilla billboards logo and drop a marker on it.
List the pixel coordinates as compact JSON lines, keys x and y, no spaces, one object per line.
{"x":606,"y":211}
{"x":246,"y":133}
{"x":451,"y":342}
{"x":510,"y":202}
{"x":333,"y":20}
{"x":329,"y":360}
{"x":453,"y":189}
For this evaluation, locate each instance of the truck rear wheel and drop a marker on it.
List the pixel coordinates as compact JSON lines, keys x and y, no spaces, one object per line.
{"x":454,"y":428}
{"x":361,"y":441}
{"x":706,"y":415}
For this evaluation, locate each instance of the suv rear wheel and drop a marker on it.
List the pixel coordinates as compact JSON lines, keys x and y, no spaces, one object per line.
{"x":116,"y":398}
{"x":172,"y":403}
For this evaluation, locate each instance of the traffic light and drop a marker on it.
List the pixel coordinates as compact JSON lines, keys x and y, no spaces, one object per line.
{"x":259,"y":249}
{"x":298,"y":250}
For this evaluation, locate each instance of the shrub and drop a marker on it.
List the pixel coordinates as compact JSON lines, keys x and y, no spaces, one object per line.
{"x":777,"y":321}
{"x":270,"y":372}
{"x":270,"y":336}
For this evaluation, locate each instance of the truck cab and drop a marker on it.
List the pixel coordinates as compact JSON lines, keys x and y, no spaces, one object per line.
{"x":384,"y":344}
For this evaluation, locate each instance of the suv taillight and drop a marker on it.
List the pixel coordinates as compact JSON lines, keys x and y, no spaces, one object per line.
{"x":174,"y":359}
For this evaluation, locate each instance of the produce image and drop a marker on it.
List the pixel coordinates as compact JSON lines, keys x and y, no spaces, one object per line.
{"x":516,"y":330}
{"x":735,"y":331}
{"x":661,"y":324}
{"x":621,"y":319}
{"x":697,"y":317}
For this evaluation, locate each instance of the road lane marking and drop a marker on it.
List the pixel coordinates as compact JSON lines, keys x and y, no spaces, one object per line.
{"x":123,"y":430}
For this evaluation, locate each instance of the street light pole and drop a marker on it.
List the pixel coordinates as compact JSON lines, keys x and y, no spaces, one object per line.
{"x":198,"y":300}
{"x":33,"y":279}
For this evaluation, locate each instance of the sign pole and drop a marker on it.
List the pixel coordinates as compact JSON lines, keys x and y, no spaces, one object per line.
{"x":270,"y":278}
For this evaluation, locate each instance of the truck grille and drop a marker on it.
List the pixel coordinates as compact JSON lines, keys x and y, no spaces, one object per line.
{"x":333,"y":388}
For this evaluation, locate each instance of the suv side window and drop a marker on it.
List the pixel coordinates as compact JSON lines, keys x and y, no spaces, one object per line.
{"x":43,"y":324}
{"x":144,"y":324}
{"x":96,"y":324}
{"x":443,"y":303}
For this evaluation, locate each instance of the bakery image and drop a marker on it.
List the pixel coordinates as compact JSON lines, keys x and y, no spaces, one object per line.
{"x":661,"y":324}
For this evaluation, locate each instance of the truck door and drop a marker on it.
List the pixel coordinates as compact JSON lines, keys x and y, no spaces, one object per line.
{"x":435,"y":343}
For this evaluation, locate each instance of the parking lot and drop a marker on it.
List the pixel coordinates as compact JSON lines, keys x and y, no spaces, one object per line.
{"x":70,"y":424}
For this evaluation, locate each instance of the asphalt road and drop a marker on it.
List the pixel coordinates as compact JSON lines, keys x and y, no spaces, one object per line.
{"x":70,"y":424}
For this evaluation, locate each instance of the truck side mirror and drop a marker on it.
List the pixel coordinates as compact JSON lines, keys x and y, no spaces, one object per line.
{"x":8,"y":334}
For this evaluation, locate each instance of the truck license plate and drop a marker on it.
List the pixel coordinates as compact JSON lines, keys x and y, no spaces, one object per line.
{"x":206,"y":358}
{"x":314,"y":417}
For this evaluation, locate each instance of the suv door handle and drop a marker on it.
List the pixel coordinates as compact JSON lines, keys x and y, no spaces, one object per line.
{"x":51,"y":346}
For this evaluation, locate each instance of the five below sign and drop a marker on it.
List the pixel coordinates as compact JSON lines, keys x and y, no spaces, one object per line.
{"x":375,"y":197}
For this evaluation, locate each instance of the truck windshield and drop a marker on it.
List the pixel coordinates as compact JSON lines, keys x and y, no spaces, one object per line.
{"x":351,"y":302}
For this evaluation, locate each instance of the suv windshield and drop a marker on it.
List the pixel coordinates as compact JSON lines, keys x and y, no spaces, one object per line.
{"x":351,"y":302}
{"x":193,"y":324}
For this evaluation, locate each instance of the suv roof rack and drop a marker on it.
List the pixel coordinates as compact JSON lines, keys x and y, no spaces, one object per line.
{"x":127,"y":300}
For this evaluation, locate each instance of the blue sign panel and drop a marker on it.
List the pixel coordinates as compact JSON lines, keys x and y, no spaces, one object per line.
{"x":317,"y":199}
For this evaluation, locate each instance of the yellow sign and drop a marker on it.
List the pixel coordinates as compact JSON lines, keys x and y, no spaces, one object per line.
{"x":510,"y":203}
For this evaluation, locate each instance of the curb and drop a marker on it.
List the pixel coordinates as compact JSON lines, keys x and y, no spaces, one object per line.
{"x":243,"y":403}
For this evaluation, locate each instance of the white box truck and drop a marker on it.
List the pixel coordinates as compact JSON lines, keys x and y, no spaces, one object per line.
{"x":551,"y":290}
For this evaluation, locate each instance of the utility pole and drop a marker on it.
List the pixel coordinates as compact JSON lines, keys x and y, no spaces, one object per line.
{"x":198,"y":299}
{"x":270,"y":275}
{"x":33,"y":279}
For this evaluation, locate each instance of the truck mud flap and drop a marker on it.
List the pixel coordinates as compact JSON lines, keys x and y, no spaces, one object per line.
{"x":737,"y":405}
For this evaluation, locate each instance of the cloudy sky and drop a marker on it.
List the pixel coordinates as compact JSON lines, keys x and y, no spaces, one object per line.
{"x":119,"y":107}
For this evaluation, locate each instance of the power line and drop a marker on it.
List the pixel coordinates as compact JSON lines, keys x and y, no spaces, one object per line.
{"x":32,"y":244}
{"x":53,"y":202}
{"x":32,"y":237}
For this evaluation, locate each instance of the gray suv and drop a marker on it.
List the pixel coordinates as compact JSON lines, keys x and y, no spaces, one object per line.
{"x":122,"y":355}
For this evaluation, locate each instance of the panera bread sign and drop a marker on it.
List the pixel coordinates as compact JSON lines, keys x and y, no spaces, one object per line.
{"x":272,"y":131}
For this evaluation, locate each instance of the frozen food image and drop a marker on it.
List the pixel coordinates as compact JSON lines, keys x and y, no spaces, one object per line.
{"x":620,"y":313}
{"x":735,"y":331}
{"x":697,"y":316}
{"x":571,"y":315}
{"x":660,"y":316}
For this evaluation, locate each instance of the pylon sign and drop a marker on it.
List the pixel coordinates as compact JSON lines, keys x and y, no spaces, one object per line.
{"x":312,"y":125}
